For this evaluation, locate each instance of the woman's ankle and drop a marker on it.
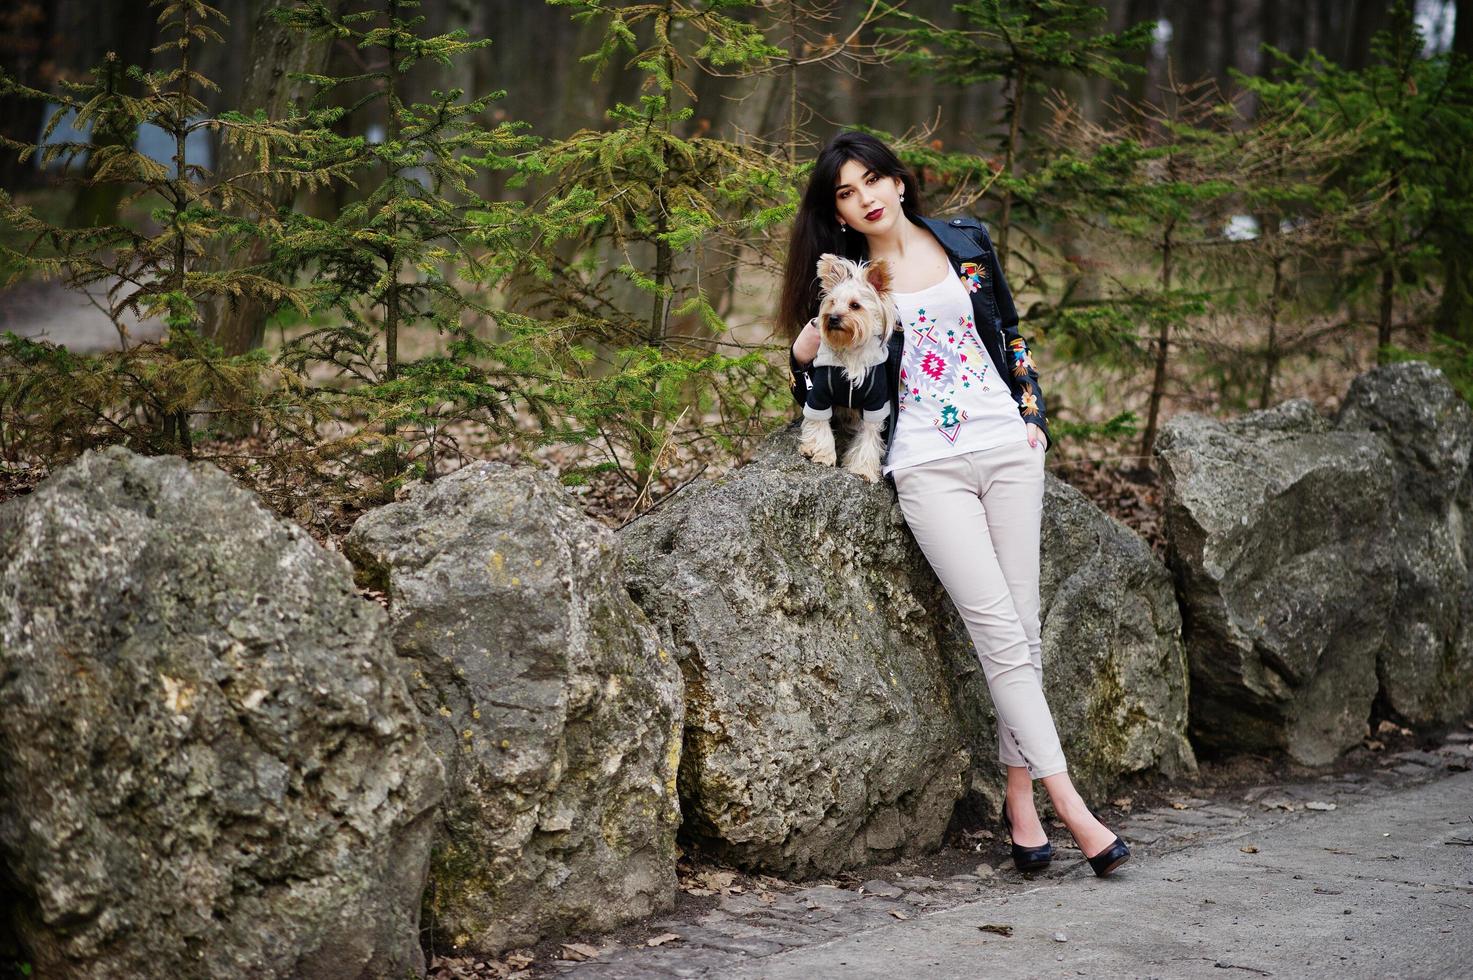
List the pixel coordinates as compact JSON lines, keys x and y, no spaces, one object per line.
{"x":1070,"y":807}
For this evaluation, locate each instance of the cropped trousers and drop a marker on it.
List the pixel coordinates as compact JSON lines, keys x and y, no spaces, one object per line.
{"x":977,"y":519}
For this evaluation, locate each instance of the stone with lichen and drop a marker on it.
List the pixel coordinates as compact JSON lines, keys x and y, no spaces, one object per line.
{"x":209,"y":762}
{"x":836,"y":711}
{"x":1425,"y":665}
{"x":1273,"y":520}
{"x":1323,"y":565}
{"x":556,"y":713}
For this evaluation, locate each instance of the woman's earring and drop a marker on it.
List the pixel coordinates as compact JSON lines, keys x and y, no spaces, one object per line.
{"x":843,"y":227}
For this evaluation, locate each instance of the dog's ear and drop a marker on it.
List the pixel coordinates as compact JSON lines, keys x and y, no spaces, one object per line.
{"x":878,"y":274}
{"x":831,"y":270}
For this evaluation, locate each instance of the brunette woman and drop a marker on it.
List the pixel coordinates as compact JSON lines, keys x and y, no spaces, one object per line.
{"x":965,"y":442}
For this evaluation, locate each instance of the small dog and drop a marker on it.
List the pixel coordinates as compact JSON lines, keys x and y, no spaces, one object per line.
{"x":855,"y":317}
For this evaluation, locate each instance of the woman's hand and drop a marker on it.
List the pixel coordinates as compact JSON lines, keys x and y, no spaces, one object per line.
{"x":805,"y":347}
{"x":1035,"y":435}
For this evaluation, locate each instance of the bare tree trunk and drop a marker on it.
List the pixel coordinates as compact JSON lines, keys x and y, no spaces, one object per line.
{"x":1271,"y":352}
{"x":101,"y":30}
{"x":1369,"y":17}
{"x":239,"y":325}
{"x":1193,"y":39}
{"x":1015,"y":122}
{"x":1463,"y":29}
{"x":24,"y":32}
{"x":1383,"y":321}
{"x":1388,"y":272}
{"x":1163,"y":341}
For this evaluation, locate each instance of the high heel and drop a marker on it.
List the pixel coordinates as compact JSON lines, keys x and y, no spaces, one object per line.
{"x":1112,"y":857}
{"x":1026,"y":858}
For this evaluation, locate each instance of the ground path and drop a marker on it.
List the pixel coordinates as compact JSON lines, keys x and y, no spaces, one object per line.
{"x":1359,"y":874}
{"x":41,"y":310}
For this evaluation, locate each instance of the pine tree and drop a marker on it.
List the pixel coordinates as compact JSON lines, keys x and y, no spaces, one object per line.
{"x":1283,"y":162}
{"x":406,"y":253}
{"x":1155,"y":183}
{"x":632,"y":220}
{"x":1414,"y":116}
{"x":151,"y":271}
{"x":1027,"y":45}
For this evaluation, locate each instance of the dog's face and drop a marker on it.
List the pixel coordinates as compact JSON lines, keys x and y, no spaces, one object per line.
{"x":856,"y":309}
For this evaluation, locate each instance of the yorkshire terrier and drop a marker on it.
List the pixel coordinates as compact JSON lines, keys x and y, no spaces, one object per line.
{"x":855,"y":317}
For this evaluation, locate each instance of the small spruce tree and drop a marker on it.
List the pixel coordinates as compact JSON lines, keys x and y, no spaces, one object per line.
{"x":406,"y":253}
{"x":1155,"y":186}
{"x":631,"y":221}
{"x":1028,"y":45}
{"x":1413,"y":117}
{"x":148,"y":394}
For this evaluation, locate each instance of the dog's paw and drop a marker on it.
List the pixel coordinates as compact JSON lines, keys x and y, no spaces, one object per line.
{"x":824,"y":456}
{"x":806,"y":450}
{"x":870,"y":474}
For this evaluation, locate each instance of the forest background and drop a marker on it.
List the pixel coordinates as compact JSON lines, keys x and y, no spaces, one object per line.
{"x":338,"y":246}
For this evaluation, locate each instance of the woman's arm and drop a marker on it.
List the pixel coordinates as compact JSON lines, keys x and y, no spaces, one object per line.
{"x":800,"y":356}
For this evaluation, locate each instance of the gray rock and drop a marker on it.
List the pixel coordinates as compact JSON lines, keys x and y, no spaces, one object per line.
{"x":1274,"y":523}
{"x":1115,"y":669}
{"x":835,"y":706}
{"x":557,"y":715}
{"x":209,"y":762}
{"x":882,"y":888}
{"x":820,"y":732}
{"x":1425,"y":666}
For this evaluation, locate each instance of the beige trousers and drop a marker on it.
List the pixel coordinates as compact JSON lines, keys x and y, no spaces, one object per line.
{"x":977,"y":518}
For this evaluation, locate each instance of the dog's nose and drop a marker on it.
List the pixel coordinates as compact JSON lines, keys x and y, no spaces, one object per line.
{"x":835,"y":320}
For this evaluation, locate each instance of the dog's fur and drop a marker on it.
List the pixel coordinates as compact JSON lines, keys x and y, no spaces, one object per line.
{"x":855,"y":317}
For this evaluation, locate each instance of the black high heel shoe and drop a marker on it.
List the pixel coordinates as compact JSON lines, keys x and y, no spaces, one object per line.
{"x":1026,"y":858}
{"x":1112,"y":857}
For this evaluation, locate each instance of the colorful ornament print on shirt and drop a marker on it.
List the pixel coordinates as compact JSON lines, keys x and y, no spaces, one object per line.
{"x":939,"y":362}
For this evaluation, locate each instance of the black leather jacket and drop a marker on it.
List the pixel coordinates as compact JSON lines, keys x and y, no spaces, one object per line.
{"x":970,"y":250}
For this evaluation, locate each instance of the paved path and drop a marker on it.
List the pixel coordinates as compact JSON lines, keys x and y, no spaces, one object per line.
{"x":1359,"y":875}
{"x":48,"y":311}
{"x":1372,"y":890}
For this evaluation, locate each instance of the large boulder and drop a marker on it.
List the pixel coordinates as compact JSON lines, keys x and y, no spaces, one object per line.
{"x":556,"y":713}
{"x":1115,"y":667}
{"x":819,"y":730}
{"x":1115,"y":672}
{"x":1275,"y":523}
{"x":836,"y":710}
{"x":209,"y":762}
{"x":1425,"y":664}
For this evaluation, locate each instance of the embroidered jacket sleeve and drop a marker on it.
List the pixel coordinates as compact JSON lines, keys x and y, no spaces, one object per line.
{"x":1020,"y":357}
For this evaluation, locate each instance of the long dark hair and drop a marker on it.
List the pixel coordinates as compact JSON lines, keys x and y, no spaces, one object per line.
{"x":816,"y":227}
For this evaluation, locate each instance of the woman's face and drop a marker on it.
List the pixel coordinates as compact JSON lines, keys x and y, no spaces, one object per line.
{"x":865,"y":201}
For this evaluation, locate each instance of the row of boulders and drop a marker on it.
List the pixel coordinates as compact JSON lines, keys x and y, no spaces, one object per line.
{"x":835,"y":707}
{"x":217,"y":759}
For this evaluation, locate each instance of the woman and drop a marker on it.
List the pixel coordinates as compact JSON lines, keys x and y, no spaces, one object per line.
{"x":966,"y":437}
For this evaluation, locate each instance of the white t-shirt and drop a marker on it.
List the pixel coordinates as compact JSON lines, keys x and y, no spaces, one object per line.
{"x":952,"y":399}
